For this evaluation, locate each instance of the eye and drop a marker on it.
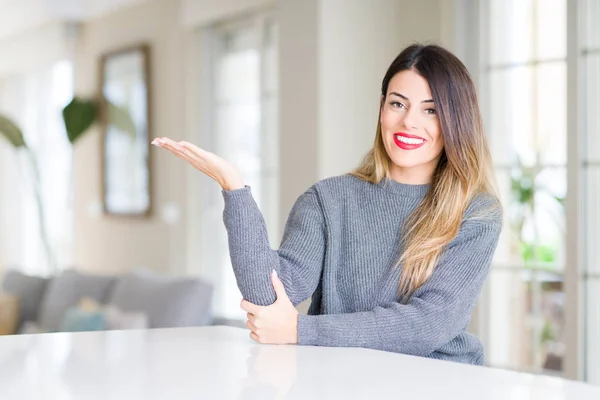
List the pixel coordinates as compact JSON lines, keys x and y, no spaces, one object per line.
{"x":430,"y":111}
{"x":397,"y":104}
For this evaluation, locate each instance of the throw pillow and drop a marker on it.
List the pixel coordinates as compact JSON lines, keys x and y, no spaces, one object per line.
{"x":79,"y":320}
{"x":28,"y":289}
{"x":66,"y":290}
{"x":90,"y":315}
{"x":9,"y":314}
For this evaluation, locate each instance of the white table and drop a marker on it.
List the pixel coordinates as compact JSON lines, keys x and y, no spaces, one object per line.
{"x":223,"y":363}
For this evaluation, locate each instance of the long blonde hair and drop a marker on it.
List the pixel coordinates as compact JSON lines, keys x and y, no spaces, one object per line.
{"x":464,"y":169}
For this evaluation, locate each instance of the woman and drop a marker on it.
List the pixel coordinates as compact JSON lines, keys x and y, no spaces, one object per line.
{"x":394,"y":254}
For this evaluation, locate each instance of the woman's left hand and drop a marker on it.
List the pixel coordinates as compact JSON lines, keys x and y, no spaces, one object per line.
{"x":274,"y":324}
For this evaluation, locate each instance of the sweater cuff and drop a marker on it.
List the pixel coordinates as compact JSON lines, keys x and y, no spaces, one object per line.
{"x":308,"y":330}
{"x":233,"y":195}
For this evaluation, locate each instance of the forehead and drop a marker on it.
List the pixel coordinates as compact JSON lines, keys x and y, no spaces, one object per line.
{"x":410,"y":84}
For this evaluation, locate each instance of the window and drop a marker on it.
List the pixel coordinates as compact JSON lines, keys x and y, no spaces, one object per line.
{"x":525,"y":112}
{"x":243,"y":130}
{"x":590,"y":172}
{"x":35,"y":100}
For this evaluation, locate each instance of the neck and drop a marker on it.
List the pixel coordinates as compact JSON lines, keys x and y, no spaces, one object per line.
{"x":420,"y":175}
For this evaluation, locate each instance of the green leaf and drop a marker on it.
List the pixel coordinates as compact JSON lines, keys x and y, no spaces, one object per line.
{"x":121,"y":119}
{"x":11,"y":132}
{"x":78,"y":116}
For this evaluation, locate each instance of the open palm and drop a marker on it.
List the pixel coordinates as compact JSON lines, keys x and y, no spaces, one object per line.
{"x":219,"y":169}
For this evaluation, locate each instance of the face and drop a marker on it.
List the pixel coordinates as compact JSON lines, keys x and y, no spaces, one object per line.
{"x":410,"y":129}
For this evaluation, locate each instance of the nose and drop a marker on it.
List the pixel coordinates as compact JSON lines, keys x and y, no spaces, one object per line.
{"x":411,"y":118}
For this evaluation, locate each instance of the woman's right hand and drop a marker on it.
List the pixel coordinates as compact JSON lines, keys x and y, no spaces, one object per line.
{"x":220,"y":170}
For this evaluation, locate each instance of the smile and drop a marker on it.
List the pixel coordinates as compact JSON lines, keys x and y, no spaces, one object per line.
{"x":408,"y":142}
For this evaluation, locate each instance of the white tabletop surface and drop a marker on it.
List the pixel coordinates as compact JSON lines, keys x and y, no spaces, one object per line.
{"x":223,"y":363}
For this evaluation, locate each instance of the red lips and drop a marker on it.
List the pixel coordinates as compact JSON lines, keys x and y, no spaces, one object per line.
{"x":408,"y":146}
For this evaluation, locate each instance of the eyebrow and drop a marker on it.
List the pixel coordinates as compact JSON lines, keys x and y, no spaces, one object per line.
{"x":407,"y":99}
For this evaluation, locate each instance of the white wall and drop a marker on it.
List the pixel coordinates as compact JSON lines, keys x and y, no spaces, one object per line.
{"x":109,"y":244}
{"x":358,"y":41}
{"x":333,"y":55}
{"x":299,"y":36}
{"x":171,"y":27}
{"x":39,"y":46}
{"x":196,"y":13}
{"x":26,"y":51}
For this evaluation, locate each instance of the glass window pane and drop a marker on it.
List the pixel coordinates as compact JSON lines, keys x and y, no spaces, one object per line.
{"x":591,"y":222}
{"x":547,"y":299}
{"x":590,"y":28}
{"x":237,"y":134}
{"x":526,"y":319}
{"x":524,"y":124}
{"x":508,"y":345}
{"x":551,"y":112}
{"x":34,"y":100}
{"x":551,"y":29}
{"x":590,"y":10}
{"x":244,"y":132}
{"x":592,"y":322}
{"x":591,"y":271}
{"x":506,"y":254}
{"x":511,"y":30}
{"x":527,"y":129}
{"x":238,"y":76}
{"x":591,"y":117}
{"x":524,"y":30}
{"x":512,"y":124}
{"x":542,"y":219}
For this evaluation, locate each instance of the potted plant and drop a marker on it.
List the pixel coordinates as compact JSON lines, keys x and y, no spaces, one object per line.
{"x":78,"y":116}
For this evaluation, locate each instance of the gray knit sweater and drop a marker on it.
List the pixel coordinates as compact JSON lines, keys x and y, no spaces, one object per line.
{"x":340,"y":244}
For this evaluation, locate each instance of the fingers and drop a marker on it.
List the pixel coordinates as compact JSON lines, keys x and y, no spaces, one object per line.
{"x":167,"y":143}
{"x":251,"y":326}
{"x":174,"y":147}
{"x":183,"y":147}
{"x":189,"y":153}
{"x":193,"y":148}
{"x":249,"y":307}
{"x":170,"y":145}
{"x":254,"y":337}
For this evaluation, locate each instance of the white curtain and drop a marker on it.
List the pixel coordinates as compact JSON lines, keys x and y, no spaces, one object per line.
{"x":34,"y":100}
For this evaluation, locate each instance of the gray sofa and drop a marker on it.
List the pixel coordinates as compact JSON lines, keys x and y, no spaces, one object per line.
{"x":165,"y":302}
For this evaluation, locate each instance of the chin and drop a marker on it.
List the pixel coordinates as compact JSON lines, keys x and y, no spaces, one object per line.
{"x":406,"y":164}
{"x":406,"y":159}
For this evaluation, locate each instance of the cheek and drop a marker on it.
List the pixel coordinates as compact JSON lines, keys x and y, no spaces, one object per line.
{"x":389,"y":119}
{"x":435,"y":131}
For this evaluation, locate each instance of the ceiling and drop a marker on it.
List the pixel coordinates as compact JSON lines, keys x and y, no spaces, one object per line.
{"x":17,"y":16}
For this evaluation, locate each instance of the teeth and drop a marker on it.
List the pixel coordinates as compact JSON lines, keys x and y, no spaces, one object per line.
{"x":409,"y":140}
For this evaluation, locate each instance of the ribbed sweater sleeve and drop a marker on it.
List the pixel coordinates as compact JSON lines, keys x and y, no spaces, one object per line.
{"x":299,"y":260}
{"x":436,"y":313}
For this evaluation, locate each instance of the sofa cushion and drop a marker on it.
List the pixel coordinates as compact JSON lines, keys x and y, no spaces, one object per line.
{"x":66,"y":290}
{"x":28,"y":289}
{"x":168,"y":302}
